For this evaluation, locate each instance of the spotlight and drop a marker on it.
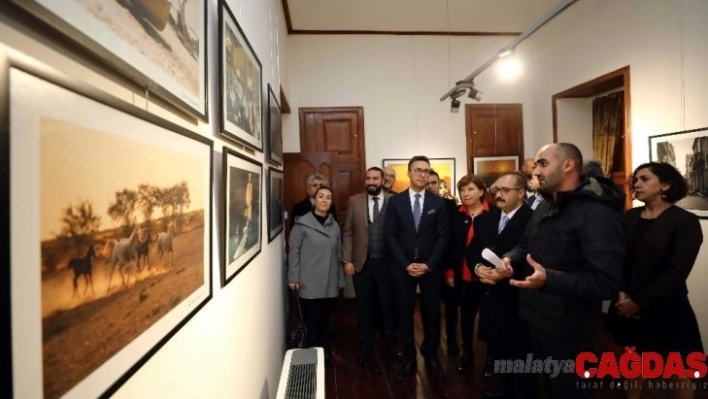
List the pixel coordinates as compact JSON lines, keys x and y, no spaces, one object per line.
{"x":474,"y":94}
{"x":455,"y":106}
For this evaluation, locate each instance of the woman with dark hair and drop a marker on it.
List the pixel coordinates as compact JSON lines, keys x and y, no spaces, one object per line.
{"x":653,"y":312}
{"x":471,"y":190}
{"x":315,"y":267}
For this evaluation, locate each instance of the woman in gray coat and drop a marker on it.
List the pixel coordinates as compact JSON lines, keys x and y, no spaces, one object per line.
{"x":315,"y":267}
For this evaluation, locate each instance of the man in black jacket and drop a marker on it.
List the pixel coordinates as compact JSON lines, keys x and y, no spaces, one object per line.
{"x":417,"y":233}
{"x":573,"y":249}
{"x":500,"y":230}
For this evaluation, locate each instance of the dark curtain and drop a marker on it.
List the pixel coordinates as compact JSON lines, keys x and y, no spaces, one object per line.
{"x":607,"y":128}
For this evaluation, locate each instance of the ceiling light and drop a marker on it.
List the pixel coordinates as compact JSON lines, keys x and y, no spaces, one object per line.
{"x":455,"y":106}
{"x":475,"y":94}
{"x":504,"y":52}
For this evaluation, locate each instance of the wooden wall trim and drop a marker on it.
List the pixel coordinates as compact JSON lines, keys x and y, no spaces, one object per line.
{"x":292,"y":31}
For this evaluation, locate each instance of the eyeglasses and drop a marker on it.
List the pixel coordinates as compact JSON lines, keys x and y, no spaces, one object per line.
{"x":421,"y":172}
{"x":504,"y":190}
{"x":389,"y":175}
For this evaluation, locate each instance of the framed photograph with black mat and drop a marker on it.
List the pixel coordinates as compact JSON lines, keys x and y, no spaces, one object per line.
{"x":159,"y":44}
{"x":687,"y":151}
{"x":276,"y":209}
{"x":240,"y":76}
{"x":243,"y":198}
{"x":275,"y":129}
{"x":110,"y":232}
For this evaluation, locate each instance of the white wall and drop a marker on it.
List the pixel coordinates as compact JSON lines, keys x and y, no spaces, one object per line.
{"x":234,"y":346}
{"x":398,"y":81}
{"x":575,"y":123}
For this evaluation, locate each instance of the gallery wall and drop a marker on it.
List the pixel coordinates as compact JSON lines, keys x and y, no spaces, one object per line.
{"x":234,"y":345}
{"x":663,"y":42}
{"x":398,"y":81}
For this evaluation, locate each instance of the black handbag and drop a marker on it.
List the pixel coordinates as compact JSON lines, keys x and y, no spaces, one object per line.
{"x":297,"y":338}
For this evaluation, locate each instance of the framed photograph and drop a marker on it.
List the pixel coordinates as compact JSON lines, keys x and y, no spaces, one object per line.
{"x":240,"y":75}
{"x":275,"y":129}
{"x":242,"y":191}
{"x":276,"y":209}
{"x":490,"y":168}
{"x":687,"y":151}
{"x":111,"y":232}
{"x":159,"y":44}
{"x":444,"y":166}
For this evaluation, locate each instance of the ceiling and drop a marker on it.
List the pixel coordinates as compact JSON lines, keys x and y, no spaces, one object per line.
{"x":428,"y":17}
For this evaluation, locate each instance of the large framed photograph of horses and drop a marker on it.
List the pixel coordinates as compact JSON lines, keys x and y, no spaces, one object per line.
{"x":687,"y":151}
{"x":110,"y":232}
{"x":242,"y":230}
{"x":240,"y":76}
{"x":158,"y":44}
{"x":276,"y":209}
{"x":275,"y":129}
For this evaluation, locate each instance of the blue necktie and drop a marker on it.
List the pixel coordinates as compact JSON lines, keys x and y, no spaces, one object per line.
{"x":504,"y":221}
{"x":417,"y":212}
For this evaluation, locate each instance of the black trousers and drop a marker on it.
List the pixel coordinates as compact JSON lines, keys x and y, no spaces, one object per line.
{"x":317,"y":314}
{"x":545,"y":344}
{"x":404,"y":290}
{"x":468,"y":294}
{"x":374,"y":295}
{"x":451,"y":300}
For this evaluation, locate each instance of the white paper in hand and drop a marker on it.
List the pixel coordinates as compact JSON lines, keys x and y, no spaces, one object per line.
{"x":493,"y":258}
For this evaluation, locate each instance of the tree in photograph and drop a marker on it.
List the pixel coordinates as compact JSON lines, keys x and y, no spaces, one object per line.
{"x":79,"y":223}
{"x":147,"y":202}
{"x":123,"y":209}
{"x":181,"y":200}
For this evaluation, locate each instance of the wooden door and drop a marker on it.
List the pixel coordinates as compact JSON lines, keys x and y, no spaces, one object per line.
{"x":339,"y":130}
{"x":493,"y":130}
{"x":297,"y":167}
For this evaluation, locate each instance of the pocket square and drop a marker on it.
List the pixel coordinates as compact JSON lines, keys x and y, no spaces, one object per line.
{"x":430,"y":212}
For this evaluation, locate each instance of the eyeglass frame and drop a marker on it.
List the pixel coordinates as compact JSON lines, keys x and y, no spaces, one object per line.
{"x":504,"y":190}
{"x":421,"y":172}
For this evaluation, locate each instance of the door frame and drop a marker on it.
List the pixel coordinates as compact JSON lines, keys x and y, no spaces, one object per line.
{"x":593,"y":88}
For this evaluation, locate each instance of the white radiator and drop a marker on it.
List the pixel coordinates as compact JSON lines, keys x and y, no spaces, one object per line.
{"x":302,"y":376}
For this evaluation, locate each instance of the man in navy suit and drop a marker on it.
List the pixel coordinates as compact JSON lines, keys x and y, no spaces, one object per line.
{"x":417,"y":231}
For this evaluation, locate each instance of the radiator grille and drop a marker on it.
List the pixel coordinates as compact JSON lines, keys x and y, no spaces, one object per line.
{"x":302,"y":381}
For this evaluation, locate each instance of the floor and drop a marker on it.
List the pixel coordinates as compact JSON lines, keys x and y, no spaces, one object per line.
{"x":345,"y":379}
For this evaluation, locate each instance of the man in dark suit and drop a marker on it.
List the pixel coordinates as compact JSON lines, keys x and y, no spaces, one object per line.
{"x":365,"y":257}
{"x":313,"y":182}
{"x":417,"y":232}
{"x":500,"y":230}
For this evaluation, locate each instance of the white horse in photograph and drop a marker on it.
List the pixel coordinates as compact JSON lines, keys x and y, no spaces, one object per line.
{"x":82,"y":267}
{"x":124,"y":252}
{"x":165,"y":246}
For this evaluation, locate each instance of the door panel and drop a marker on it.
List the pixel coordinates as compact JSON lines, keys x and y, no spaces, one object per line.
{"x":340,"y":131}
{"x":493,"y":130}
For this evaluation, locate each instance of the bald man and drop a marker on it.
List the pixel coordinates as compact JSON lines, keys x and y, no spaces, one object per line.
{"x":571,"y":255}
{"x":389,"y":179}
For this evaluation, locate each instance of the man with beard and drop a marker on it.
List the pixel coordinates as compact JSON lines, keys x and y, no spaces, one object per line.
{"x":572,"y":256}
{"x":366,"y":258}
